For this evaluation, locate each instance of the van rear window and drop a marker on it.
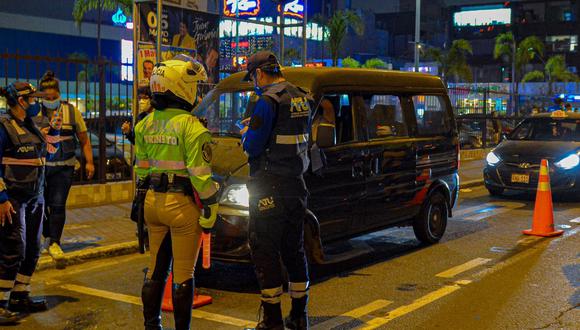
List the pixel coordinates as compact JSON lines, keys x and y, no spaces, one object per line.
{"x":432,"y":115}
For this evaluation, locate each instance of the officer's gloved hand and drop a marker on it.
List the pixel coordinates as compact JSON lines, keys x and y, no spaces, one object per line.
{"x":208,"y":216}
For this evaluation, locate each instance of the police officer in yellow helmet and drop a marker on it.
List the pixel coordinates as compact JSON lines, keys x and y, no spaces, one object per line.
{"x":174,"y":149}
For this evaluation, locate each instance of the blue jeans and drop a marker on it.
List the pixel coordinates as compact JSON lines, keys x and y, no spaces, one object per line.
{"x":58,"y":182}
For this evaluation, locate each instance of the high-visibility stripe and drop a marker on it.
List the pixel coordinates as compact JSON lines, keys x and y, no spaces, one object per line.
{"x":298,"y":290}
{"x":24,"y":279}
{"x":19,"y":129}
{"x":544,"y":186}
{"x":6,"y":284}
{"x":24,"y":162}
{"x":21,"y":288}
{"x":142,"y":163}
{"x":168,"y":164}
{"x":272,"y":296}
{"x":200,"y":170}
{"x":543,"y":170}
{"x":326,"y":125}
{"x":2,"y":185}
{"x":210,"y":191}
{"x":292,"y":139}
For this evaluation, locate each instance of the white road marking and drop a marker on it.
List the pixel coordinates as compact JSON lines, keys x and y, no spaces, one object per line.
{"x":137,"y":301}
{"x":575,"y":220}
{"x":485,"y":210}
{"x":353,"y":314}
{"x":454,"y":271}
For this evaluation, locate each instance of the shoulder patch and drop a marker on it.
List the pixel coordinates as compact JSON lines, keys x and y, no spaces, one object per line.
{"x":206,"y":152}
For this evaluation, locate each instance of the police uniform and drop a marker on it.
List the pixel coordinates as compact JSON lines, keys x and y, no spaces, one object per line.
{"x":60,"y":165}
{"x":277,"y":145}
{"x":22,"y":153}
{"x":174,"y":149}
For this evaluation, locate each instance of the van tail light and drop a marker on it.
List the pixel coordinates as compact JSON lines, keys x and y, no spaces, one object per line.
{"x":458,"y":155}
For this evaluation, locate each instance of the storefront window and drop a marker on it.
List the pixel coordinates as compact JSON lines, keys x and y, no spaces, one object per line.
{"x":562,"y":43}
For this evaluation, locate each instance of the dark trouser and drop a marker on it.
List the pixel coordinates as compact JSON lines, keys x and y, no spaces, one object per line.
{"x":58,"y":183}
{"x":20,"y":244}
{"x":276,"y":234}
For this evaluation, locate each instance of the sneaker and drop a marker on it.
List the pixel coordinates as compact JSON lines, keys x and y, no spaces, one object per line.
{"x":55,"y":251}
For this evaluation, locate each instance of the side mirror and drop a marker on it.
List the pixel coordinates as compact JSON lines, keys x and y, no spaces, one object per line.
{"x":325,"y":136}
{"x":503,"y":137}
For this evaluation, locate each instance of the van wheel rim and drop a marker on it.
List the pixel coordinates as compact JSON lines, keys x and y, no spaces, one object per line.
{"x":435,"y":220}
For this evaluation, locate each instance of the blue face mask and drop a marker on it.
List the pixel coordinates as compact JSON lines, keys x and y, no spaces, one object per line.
{"x":52,"y":105}
{"x":33,"y":109}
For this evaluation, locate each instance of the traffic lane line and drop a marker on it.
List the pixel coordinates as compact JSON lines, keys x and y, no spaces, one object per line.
{"x":454,"y":271}
{"x":415,"y":305}
{"x":352,"y":315}
{"x":137,"y":301}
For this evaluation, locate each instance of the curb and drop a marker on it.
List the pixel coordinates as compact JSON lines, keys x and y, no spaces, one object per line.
{"x":471,"y":183}
{"x":79,"y":257}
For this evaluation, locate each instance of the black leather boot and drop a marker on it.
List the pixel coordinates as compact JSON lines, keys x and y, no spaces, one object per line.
{"x":20,"y":301}
{"x":152,"y":297}
{"x":298,"y":318}
{"x":271,"y":317}
{"x":8,"y":318}
{"x":182,"y":304}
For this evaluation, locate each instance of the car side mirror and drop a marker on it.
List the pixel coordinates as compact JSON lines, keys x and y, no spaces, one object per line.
{"x":325,"y":136}
{"x":503,"y":137}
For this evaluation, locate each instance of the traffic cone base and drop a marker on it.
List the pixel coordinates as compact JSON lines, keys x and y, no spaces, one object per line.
{"x":167,"y":305}
{"x":543,"y":220}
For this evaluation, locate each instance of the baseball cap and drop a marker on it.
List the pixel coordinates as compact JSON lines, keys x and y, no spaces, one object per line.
{"x":259,"y":60}
{"x":19,"y":88}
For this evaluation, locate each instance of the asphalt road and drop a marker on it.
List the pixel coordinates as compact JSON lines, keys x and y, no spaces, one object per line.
{"x":483,"y":275}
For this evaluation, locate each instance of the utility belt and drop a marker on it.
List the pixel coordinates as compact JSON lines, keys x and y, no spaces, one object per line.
{"x":169,"y":182}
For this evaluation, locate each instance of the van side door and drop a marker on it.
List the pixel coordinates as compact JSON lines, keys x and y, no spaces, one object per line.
{"x":390,"y":163}
{"x":437,"y":143}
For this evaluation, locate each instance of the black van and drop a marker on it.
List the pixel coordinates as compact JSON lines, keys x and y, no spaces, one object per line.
{"x":385,"y":152}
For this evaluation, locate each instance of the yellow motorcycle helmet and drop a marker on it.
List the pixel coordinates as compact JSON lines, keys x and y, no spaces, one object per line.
{"x":178,"y":78}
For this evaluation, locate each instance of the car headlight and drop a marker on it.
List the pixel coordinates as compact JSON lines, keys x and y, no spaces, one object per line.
{"x":236,"y":195}
{"x":492,"y":159}
{"x":568,"y":162}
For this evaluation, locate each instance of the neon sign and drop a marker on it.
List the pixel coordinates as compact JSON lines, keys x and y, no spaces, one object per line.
{"x":119,"y":18}
{"x":233,"y":8}
{"x":293,"y":8}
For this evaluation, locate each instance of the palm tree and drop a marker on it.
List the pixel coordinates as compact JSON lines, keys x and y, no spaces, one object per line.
{"x":453,"y":63}
{"x":337,"y":27}
{"x":554,"y":70}
{"x":82,"y":7}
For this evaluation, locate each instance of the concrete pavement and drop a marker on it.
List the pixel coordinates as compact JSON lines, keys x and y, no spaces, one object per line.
{"x":103,"y":231}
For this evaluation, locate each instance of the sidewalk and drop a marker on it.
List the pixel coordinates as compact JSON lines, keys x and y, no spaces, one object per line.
{"x":102,"y":231}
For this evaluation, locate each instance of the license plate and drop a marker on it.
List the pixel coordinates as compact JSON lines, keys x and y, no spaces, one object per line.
{"x":520,"y":178}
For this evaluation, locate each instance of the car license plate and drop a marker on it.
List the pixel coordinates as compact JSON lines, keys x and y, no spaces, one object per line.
{"x":520,"y":178}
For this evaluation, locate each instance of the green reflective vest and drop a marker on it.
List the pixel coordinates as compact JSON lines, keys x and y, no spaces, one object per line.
{"x":174,"y":141}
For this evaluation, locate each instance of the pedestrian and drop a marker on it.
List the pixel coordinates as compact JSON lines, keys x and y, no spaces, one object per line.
{"x":63,"y":118}
{"x":174,"y":149}
{"x":276,"y":141}
{"x":145,"y":108}
{"x":22,"y":152}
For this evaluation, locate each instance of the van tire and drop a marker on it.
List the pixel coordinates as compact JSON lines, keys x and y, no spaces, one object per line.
{"x":429,"y":226}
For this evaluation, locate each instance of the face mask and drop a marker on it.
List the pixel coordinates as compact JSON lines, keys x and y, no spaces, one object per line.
{"x":144,"y":105}
{"x":52,"y":105}
{"x":33,"y":109}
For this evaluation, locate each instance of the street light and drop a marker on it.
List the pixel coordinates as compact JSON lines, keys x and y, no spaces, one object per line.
{"x":417,"y":33}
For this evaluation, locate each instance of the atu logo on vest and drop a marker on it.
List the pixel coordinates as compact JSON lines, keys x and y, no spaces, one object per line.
{"x":299,"y":107}
{"x":25,"y":149}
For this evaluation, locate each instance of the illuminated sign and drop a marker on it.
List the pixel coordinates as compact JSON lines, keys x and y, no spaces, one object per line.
{"x":119,"y":18}
{"x":293,"y":8}
{"x":482,"y":17}
{"x":314,"y":65}
{"x":233,"y":8}
{"x":252,"y":27}
{"x":243,"y":44}
{"x":240,"y":62}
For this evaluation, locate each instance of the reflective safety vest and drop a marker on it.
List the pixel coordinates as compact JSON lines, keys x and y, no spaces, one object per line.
{"x":23,"y":160}
{"x":287,"y":151}
{"x":68,"y":142}
{"x":173,"y":141}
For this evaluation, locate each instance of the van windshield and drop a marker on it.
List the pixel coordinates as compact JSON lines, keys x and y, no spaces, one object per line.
{"x":223,"y":109}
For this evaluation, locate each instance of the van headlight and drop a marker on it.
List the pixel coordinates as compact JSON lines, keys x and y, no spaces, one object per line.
{"x":492,"y":159}
{"x":568,"y":162}
{"x":236,"y":195}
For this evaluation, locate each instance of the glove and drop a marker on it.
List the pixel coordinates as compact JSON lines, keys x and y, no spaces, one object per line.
{"x":208,"y":217}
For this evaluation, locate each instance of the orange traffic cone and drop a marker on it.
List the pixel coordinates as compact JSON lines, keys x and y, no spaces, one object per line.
{"x":543,"y":221}
{"x":167,"y":306}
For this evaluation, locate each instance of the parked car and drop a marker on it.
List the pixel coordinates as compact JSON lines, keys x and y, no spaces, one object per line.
{"x":117,"y":167}
{"x":515,"y":163}
{"x":391,"y":159}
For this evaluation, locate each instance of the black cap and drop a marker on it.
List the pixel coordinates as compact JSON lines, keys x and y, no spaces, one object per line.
{"x":18,"y":88}
{"x":260,"y":60}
